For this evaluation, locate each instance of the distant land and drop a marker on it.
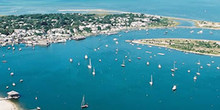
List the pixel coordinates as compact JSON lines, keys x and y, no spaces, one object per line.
{"x":198,"y":46}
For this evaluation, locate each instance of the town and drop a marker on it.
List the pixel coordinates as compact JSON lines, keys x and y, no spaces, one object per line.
{"x":44,"y":29}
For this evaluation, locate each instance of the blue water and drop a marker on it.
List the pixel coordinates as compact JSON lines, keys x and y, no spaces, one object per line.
{"x":60,"y":85}
{"x":195,"y":9}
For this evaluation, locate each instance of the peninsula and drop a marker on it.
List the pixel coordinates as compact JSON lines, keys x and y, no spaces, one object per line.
{"x":44,"y":29}
{"x":198,"y":46}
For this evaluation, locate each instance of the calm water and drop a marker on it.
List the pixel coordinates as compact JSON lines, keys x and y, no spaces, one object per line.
{"x":60,"y":85}
{"x":195,"y":9}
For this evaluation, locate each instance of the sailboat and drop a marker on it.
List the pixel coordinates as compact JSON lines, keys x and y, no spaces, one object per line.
{"x":173,"y":70}
{"x":198,"y":72}
{"x":198,"y":62}
{"x":86,"y":56}
{"x":148,"y":63}
{"x":123,"y":64}
{"x":159,"y":66}
{"x":90,"y":65}
{"x":151,"y":80}
{"x":93,"y":72}
{"x":174,"y":88}
{"x":71,"y":60}
{"x":195,"y":77}
{"x":83,"y":104}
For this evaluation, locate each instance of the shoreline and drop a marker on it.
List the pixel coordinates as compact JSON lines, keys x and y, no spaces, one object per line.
{"x":8,"y":105}
{"x":185,"y":51}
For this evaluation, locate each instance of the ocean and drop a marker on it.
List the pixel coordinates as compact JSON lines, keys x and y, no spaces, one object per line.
{"x":60,"y":85}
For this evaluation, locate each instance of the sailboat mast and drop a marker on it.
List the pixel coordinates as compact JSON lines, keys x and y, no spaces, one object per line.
{"x":83,"y":101}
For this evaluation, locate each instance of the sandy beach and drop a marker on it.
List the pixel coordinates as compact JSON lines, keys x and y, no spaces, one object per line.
{"x":7,"y":105}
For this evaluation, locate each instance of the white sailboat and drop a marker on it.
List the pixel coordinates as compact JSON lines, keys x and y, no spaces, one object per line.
{"x":198,"y":73}
{"x":151,"y":80}
{"x":90,"y":64}
{"x":174,"y":88}
{"x":123,"y":64}
{"x":159,"y":66}
{"x":173,"y":70}
{"x":195,"y":78}
{"x":188,"y":71}
{"x":86,"y":56}
{"x":93,"y":72}
{"x":71,"y":60}
{"x":148,"y":63}
{"x":198,"y":62}
{"x":83,"y":103}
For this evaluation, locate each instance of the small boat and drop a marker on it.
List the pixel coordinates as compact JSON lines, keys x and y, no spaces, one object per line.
{"x":38,"y":108}
{"x":21,"y":80}
{"x":159,"y":66}
{"x":151,"y":80}
{"x":161,"y":54}
{"x":86,"y":56}
{"x":129,"y":60}
{"x":19,"y":49}
{"x":138,"y":48}
{"x":148,"y":63}
{"x":173,"y":70}
{"x":93,"y":72}
{"x":174,"y":88}
{"x":173,"y":74}
{"x":195,"y":78}
{"x":100,"y":60}
{"x":198,"y":63}
{"x":200,"y":32}
{"x":116,"y":42}
{"x":218,"y":67}
{"x":90,"y":64}
{"x":12,"y":74}
{"x":188,"y":71}
{"x":116,"y":59}
{"x":213,"y":61}
{"x":123,"y":64}
{"x":83,"y":104}
{"x":191,"y":31}
{"x":208,"y":64}
{"x":71,"y":60}
{"x":201,"y":67}
{"x":210,"y":32}
{"x":4,"y":61}
{"x":106,"y":45}
{"x":13,"y":48}
{"x":13,"y":84}
{"x":198,"y":73}
{"x":115,"y":39}
{"x":139,"y":58}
